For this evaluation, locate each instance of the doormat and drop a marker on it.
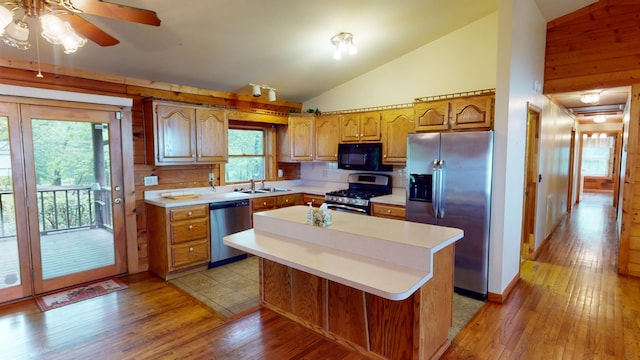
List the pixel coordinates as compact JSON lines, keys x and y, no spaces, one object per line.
{"x":74,"y":295}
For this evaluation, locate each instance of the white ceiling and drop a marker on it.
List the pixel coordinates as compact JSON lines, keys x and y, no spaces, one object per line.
{"x":226,"y":44}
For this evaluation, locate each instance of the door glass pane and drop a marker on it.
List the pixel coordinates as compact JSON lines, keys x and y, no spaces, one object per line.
{"x":74,"y":196}
{"x":9,"y":260}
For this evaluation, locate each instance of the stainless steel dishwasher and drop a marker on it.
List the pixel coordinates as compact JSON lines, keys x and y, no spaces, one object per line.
{"x":227,"y":217}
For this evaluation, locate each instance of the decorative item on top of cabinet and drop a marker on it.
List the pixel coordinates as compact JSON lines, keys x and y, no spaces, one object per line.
{"x":301,"y":137}
{"x":179,"y":134}
{"x":397,"y":212}
{"x":456,"y":112}
{"x":315,"y":200}
{"x":327,"y":134}
{"x":396,"y":125}
{"x":357,"y":127}
{"x":179,"y":240}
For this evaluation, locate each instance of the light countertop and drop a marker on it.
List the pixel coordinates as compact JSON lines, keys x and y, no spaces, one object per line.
{"x":206,"y":195}
{"x":384,"y":257}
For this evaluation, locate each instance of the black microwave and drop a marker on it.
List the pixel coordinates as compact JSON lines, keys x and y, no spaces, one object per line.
{"x":365,"y":156}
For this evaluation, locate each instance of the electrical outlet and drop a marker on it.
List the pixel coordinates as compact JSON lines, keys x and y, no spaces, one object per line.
{"x":210,"y":177}
{"x":150,"y":180}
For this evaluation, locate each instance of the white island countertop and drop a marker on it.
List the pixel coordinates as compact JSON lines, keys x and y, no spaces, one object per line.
{"x":384,"y":257}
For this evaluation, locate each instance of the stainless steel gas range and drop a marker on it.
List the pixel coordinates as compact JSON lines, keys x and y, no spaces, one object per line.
{"x":362,"y":187}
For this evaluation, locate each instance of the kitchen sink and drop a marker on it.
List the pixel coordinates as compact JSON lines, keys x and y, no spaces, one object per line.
{"x":256,"y":191}
{"x":263,"y":191}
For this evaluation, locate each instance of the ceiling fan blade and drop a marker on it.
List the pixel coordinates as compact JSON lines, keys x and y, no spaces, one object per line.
{"x":88,"y":30}
{"x":117,"y":11}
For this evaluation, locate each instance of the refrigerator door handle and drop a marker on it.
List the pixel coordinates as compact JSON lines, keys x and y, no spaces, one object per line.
{"x":441,"y":189}
{"x":434,"y":189}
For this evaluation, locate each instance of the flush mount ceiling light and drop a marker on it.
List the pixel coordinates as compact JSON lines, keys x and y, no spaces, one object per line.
{"x":343,"y":42}
{"x":257,"y":91}
{"x":590,"y":98}
{"x":599,"y":119}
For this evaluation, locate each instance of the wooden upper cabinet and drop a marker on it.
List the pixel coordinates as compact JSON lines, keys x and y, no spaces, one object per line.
{"x":327,"y":133}
{"x":396,"y":125}
{"x":357,"y":127}
{"x":176,"y":136}
{"x":184,"y":134}
{"x":472,"y":113}
{"x":211,"y":129}
{"x":463,"y":113}
{"x":432,"y":115}
{"x":301,"y":137}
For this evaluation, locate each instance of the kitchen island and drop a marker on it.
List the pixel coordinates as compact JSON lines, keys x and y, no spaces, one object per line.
{"x":379,"y":286}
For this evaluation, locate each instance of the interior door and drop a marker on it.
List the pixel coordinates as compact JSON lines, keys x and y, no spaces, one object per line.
{"x":74,"y":194}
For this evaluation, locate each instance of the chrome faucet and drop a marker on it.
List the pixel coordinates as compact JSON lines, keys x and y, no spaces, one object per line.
{"x":253,"y":184}
{"x":262,"y":184}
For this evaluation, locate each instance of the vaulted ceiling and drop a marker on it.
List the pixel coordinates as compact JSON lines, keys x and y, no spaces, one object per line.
{"x":225,"y":45}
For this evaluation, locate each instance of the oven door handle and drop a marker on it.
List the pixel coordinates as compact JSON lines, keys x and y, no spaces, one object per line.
{"x":346,"y":207}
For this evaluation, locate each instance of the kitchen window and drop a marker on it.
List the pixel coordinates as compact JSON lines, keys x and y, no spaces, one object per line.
{"x":247,"y":157}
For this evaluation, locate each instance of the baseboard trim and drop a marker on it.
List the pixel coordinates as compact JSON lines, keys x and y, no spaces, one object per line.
{"x":504,"y":297}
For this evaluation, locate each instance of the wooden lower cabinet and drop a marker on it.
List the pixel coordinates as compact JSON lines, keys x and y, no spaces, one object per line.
{"x":274,"y":202}
{"x":315,"y":200}
{"x":414,"y":328}
{"x":179,"y":239}
{"x":397,"y":212}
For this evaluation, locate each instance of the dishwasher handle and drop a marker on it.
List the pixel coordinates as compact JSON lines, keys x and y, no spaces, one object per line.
{"x":228,"y":204}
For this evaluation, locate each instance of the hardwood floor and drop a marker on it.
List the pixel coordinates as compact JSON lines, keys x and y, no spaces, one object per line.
{"x":569,"y":304}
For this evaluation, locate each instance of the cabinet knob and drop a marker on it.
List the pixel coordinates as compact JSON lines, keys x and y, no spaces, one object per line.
{"x":190,"y":249}
{"x":190,"y":227}
{"x":264,"y":203}
{"x":388,"y":211}
{"x":286,"y":201}
{"x":384,"y":156}
{"x":361,"y":135}
{"x":189,"y":213}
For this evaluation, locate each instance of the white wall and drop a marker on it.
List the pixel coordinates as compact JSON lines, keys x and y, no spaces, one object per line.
{"x":461,"y":61}
{"x":508,"y":55}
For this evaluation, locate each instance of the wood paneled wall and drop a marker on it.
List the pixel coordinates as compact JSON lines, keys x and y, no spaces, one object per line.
{"x":23,"y":73}
{"x":594,"y":47}
{"x":597,"y":47}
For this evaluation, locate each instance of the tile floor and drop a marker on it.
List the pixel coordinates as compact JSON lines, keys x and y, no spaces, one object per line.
{"x":229,"y":289}
{"x":235,"y":288}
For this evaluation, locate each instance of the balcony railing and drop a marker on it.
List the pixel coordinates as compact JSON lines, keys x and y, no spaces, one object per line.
{"x":62,"y":208}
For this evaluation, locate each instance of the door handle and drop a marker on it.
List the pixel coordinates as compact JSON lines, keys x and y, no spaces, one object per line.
{"x":434,"y":189}
{"x":117,"y":200}
{"x":441,"y":189}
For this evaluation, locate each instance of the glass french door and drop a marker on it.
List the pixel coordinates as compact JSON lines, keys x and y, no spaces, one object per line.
{"x":72,"y":186}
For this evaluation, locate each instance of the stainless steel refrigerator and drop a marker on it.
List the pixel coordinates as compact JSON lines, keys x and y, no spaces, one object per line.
{"x":449,"y":184}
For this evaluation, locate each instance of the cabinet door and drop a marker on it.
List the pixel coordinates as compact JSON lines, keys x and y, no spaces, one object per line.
{"x":396,"y":125}
{"x":211,"y":139}
{"x":301,"y":137}
{"x":432,"y":115}
{"x":350,"y":128}
{"x":472,"y":113}
{"x":370,"y":126}
{"x":176,"y":134}
{"x":327,"y":135}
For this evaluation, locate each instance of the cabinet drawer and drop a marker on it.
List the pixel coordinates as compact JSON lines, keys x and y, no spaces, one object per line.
{"x":287,"y":200}
{"x":189,"y":230}
{"x":194,"y":253}
{"x":315,"y":200}
{"x":389,"y":211}
{"x":190,"y":212}
{"x":263,"y":203}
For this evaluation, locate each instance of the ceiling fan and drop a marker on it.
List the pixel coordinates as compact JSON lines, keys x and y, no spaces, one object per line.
{"x":70,"y":11}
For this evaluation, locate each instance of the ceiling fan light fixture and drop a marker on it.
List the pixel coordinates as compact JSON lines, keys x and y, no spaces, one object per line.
{"x":16,"y":34}
{"x":72,"y":42}
{"x":590,"y":98}
{"x":6,"y":17}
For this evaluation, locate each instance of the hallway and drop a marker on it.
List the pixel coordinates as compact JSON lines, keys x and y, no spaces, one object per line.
{"x":569,"y":303}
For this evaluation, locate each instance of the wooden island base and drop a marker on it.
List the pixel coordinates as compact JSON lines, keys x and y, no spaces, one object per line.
{"x":414,"y":328}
